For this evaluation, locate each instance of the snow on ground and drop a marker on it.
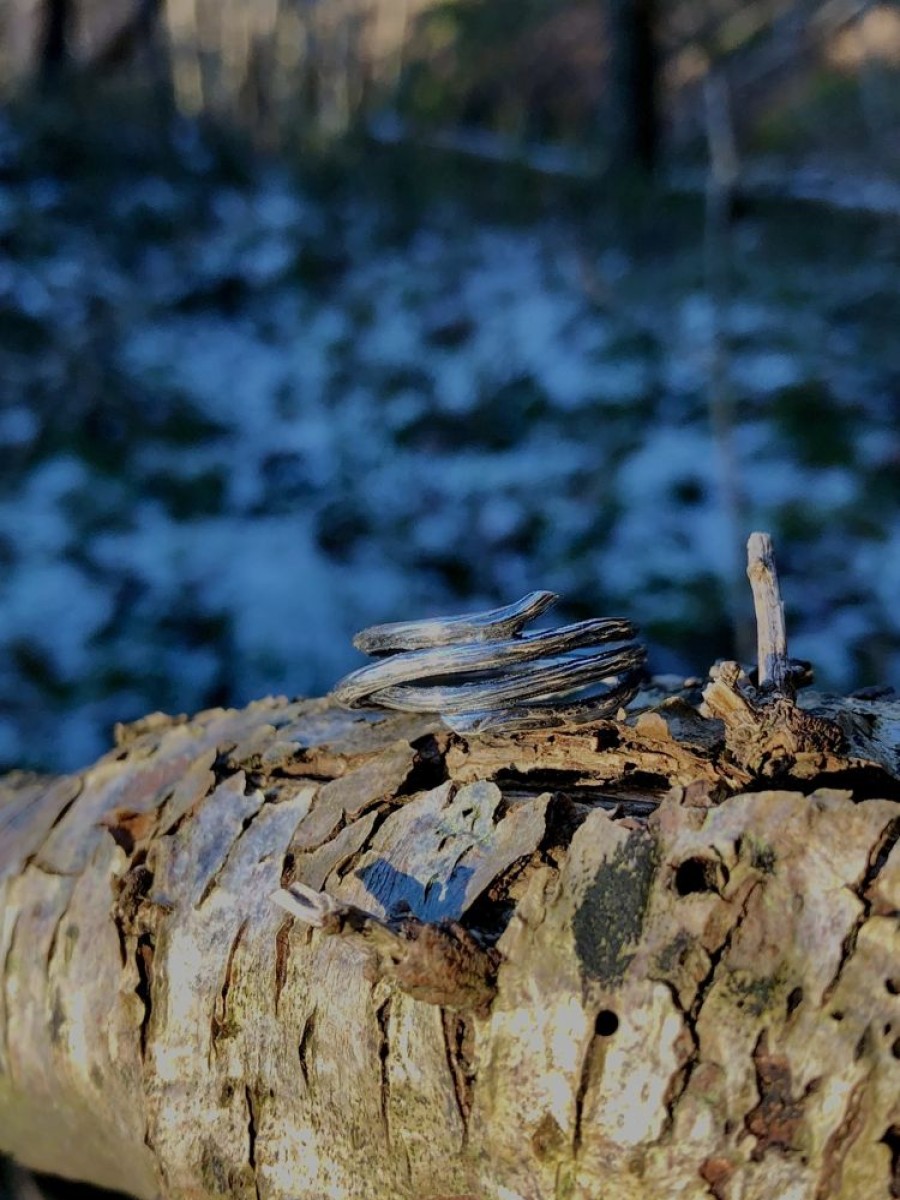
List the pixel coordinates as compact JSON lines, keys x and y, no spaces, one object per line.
{"x":232,"y":447}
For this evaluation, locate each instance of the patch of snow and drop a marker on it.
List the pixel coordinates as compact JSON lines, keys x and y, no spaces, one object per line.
{"x":879,"y":563}
{"x":747,"y":318}
{"x":696,"y":319}
{"x":877,"y":447}
{"x":18,"y":426}
{"x":456,"y":391}
{"x":761,"y":372}
{"x":619,"y":383}
{"x":499,"y":517}
{"x":285,"y":602}
{"x":829,"y":645}
{"x":654,"y":539}
{"x":54,"y":607}
{"x":44,"y":194}
{"x":29,"y":293}
{"x":773,"y":482}
{"x":35,"y":521}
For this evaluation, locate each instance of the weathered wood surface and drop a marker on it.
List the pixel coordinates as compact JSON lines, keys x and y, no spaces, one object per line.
{"x":695,"y":945}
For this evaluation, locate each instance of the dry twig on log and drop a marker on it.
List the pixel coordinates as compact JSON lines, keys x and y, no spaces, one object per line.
{"x":773,"y":667}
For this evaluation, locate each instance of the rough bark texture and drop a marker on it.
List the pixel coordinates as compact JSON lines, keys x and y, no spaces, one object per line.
{"x":689,"y":919}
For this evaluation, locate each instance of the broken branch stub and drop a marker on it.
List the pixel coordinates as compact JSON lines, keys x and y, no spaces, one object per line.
{"x":766,"y":731}
{"x":773,"y":666}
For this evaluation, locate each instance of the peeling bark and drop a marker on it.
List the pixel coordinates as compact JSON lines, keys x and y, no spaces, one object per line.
{"x":691,"y":947}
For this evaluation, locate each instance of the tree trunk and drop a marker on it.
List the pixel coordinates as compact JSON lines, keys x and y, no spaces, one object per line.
{"x":643,"y":958}
{"x":635,"y":84}
{"x":56,"y":28}
{"x":135,"y":34}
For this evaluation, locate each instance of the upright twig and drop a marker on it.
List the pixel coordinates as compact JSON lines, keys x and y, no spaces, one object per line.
{"x":771,"y":635}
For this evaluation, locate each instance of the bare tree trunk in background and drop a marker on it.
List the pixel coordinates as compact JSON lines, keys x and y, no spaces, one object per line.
{"x":634,"y":69}
{"x":133,"y":35}
{"x":56,"y":27}
{"x":640,"y":958}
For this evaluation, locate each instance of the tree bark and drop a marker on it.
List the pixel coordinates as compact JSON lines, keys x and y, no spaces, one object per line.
{"x":56,"y":28}
{"x":647,"y":957}
{"x":136,"y":33}
{"x":635,"y":84}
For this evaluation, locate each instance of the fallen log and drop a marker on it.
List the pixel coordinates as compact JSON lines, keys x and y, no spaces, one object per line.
{"x":647,"y":956}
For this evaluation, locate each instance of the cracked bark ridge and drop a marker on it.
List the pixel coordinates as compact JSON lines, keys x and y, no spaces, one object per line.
{"x":693,"y":974}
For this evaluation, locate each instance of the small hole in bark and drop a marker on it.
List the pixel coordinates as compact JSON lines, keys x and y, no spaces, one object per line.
{"x":837,"y":1016}
{"x":863,"y":1046}
{"x":891,"y":1139}
{"x":428,"y":768}
{"x":895,"y":1048}
{"x":606,"y":1023}
{"x":794,"y":1000}
{"x":893,"y":986}
{"x":606,"y":739}
{"x":699,"y":875}
{"x":287,"y":869}
{"x":887,"y":1029}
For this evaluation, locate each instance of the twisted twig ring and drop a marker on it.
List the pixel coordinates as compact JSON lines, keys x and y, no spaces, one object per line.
{"x":510,"y":680}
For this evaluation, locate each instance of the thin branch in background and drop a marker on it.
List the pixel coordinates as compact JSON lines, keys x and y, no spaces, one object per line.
{"x":342,"y":39}
{"x":722,"y":179}
{"x":397,"y":59}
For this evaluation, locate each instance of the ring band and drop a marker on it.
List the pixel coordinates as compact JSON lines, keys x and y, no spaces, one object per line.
{"x":482,"y":673}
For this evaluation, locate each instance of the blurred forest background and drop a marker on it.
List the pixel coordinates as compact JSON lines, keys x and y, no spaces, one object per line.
{"x":316,"y":313}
